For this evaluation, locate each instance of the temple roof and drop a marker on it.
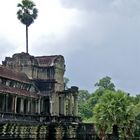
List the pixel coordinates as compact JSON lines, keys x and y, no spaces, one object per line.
{"x":46,"y":61}
{"x":21,"y":92}
{"x":10,"y":74}
{"x":27,"y":59}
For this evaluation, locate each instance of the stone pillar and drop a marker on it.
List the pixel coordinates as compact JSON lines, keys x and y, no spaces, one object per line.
{"x":29,"y":106}
{"x":15,"y":104}
{"x":3,"y":103}
{"x":39,"y":106}
{"x":36,"y":106}
{"x":57,"y":105}
{"x":75,"y":105}
{"x":64,"y":107}
{"x":70,"y":105}
{"x":6,"y":102}
{"x":51,"y":106}
{"x":21,"y":105}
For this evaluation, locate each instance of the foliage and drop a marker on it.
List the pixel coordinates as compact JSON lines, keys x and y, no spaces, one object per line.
{"x":84,"y":95}
{"x":27,"y":12}
{"x":112,"y":111}
{"x":105,"y":83}
{"x":114,"y":108}
{"x":88,"y":101}
{"x":136,"y":99}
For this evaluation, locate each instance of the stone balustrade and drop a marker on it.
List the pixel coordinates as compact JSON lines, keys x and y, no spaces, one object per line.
{"x":17,"y":117}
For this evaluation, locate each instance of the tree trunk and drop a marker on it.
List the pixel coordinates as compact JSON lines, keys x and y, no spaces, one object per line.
{"x":115,"y":132}
{"x":26,"y":39}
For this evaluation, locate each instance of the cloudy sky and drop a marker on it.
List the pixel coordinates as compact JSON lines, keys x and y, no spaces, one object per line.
{"x":96,"y":37}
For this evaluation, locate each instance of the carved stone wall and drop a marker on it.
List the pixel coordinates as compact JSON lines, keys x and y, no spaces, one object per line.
{"x":45,"y":72}
{"x":53,"y":131}
{"x":44,"y":67}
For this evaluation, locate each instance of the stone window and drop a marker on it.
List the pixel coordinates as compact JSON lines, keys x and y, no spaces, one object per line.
{"x":0,"y":80}
{"x":50,"y":73}
{"x":4,"y":81}
{"x":11,"y":84}
{"x":7,"y":83}
{"x":32,"y":89}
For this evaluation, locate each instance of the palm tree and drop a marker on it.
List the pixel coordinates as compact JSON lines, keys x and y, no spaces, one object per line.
{"x":27,"y":13}
{"x":115,"y":113}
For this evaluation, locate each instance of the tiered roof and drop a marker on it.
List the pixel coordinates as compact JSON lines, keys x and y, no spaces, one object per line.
{"x":47,"y":61}
{"x":10,"y":74}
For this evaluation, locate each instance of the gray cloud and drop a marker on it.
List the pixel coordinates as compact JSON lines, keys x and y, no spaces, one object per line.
{"x":6,"y":48}
{"x":105,"y":42}
{"x":88,"y":4}
{"x":126,"y":7}
{"x":108,"y":44}
{"x":107,"y":47}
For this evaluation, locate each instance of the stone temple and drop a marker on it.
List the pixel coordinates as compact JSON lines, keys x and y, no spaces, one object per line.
{"x":34,"y":87}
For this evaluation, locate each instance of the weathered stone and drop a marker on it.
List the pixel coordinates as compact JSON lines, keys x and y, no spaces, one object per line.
{"x":54,"y":131}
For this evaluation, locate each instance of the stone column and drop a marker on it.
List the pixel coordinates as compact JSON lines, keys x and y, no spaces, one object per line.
{"x":15,"y":104}
{"x":21,"y":105}
{"x":6,"y":103}
{"x":64,"y":107}
{"x":36,"y":106}
{"x":57,"y":105}
{"x":75,"y":105}
{"x":29,"y":106}
{"x":39,"y":106}
{"x":61,"y":106}
{"x":51,"y":104}
{"x":70,"y":105}
{"x":3,"y":103}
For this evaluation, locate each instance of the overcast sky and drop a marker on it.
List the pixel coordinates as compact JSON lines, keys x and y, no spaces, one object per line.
{"x":97,"y":38}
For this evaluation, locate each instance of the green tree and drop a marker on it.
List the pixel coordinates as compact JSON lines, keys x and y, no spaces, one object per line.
{"x":83,"y":96}
{"x":87,"y":102}
{"x":27,"y":13}
{"x":136,"y":99}
{"x":105,"y":83}
{"x":114,"y":111}
{"x":137,"y":114}
{"x":83,"y":108}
